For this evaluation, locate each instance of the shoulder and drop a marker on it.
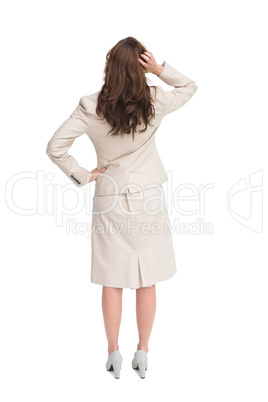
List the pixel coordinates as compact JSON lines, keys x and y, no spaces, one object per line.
{"x":88,"y":102}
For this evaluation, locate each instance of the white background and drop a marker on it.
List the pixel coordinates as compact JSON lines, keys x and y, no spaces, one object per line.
{"x":209,"y":340}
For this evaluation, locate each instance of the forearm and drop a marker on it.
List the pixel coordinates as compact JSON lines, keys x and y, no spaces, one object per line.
{"x":184,"y":88}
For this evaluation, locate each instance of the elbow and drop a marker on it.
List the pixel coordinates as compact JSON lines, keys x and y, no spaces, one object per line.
{"x":54,"y":152}
{"x":193,"y":85}
{"x":50,"y":150}
{"x":191,"y":88}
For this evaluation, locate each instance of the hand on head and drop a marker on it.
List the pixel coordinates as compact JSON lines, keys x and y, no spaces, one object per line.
{"x":149,"y":63}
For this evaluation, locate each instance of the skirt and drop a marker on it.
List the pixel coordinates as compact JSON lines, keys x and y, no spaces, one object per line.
{"x":131,"y":239}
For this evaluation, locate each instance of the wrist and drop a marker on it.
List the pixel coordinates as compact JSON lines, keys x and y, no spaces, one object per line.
{"x":158,"y":69}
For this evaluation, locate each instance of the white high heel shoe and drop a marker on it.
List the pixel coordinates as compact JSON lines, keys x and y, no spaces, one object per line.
{"x":140,"y":362}
{"x":114,"y":363}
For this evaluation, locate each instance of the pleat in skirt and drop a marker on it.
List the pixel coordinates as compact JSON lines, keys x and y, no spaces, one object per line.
{"x":131,"y":239}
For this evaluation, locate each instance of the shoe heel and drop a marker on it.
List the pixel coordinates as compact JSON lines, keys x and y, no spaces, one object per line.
{"x":114,"y":363}
{"x":117,"y":368}
{"x":142,"y":368}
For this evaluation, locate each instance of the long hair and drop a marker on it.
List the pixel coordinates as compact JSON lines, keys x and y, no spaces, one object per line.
{"x":125,"y":98}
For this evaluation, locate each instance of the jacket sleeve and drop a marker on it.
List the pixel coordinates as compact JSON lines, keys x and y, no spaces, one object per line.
{"x":61,"y":141}
{"x":184,"y":89}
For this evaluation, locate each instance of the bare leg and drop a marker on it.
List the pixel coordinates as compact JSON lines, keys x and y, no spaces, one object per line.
{"x":145,"y":310}
{"x":112,"y":312}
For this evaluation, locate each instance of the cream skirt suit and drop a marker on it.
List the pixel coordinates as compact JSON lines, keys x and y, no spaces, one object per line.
{"x":131,"y":238}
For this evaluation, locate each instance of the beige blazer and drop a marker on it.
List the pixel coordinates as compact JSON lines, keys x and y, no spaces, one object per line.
{"x":130,"y":165}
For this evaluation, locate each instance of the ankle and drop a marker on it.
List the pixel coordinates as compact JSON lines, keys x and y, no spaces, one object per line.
{"x":112,"y":349}
{"x":141,"y":346}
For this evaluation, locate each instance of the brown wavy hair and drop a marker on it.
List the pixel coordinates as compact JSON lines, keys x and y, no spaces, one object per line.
{"x":125,"y":97}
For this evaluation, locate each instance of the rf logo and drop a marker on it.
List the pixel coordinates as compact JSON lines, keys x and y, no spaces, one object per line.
{"x":245,"y":201}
